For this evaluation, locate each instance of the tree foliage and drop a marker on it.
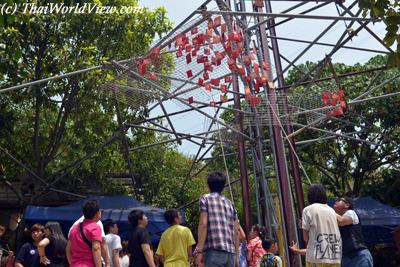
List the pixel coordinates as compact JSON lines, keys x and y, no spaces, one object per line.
{"x":389,"y":12}
{"x":344,"y":165}
{"x":58,"y":129}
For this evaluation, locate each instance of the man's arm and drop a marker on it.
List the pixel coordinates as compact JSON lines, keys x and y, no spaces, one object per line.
{"x":305,"y":236}
{"x":344,"y":220}
{"x":202,"y":231}
{"x":115,"y":258}
{"x":41,"y":250}
{"x":148,"y":254}
{"x":67,"y":252}
{"x":18,"y":264}
{"x":201,"y":236}
{"x":295,"y":248}
{"x":190,"y":253}
{"x":96,"y":251}
{"x":104,"y":253}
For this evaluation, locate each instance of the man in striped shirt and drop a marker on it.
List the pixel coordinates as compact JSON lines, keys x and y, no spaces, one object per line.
{"x":218,"y":239}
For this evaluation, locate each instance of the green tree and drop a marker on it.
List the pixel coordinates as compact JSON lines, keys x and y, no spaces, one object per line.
{"x":346,"y":166}
{"x":388,"y":12}
{"x":51,"y":127}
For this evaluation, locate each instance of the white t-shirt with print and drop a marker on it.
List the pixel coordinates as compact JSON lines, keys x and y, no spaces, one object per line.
{"x":113,"y":242}
{"x":324,"y":241}
{"x":353,"y":215}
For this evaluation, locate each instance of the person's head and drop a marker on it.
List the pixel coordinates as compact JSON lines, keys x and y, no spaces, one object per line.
{"x":317,"y":194}
{"x":3,"y":230}
{"x":172,"y":217}
{"x":343,"y":204}
{"x":37,"y":232}
{"x":270,"y":245}
{"x":258,"y":231}
{"x":91,"y":210}
{"x":137,"y":218}
{"x":110,"y":227}
{"x":54,"y":229}
{"x":125,"y":248}
{"x":216,"y":182}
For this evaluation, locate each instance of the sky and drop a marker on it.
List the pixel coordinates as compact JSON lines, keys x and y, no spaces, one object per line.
{"x":304,"y":29}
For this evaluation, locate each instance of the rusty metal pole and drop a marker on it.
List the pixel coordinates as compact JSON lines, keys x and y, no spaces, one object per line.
{"x":281,"y":168}
{"x":244,"y":179}
{"x":288,"y":125}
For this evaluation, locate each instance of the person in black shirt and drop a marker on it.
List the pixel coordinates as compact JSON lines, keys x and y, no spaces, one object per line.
{"x":52,"y":248}
{"x":139,"y":244}
{"x":27,"y":255}
{"x":354,"y":250}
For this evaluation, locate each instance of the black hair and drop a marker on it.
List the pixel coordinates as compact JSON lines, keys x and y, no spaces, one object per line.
{"x":134,"y":217}
{"x":108,"y":224}
{"x":348,"y":201}
{"x":60,"y":242}
{"x":267,"y":243}
{"x":317,"y":194}
{"x":216,"y":182}
{"x":261,"y":231}
{"x":170,"y":216}
{"x":90,"y":208}
{"x":36,"y":227}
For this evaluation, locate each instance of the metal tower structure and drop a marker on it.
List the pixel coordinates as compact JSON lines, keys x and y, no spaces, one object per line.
{"x":230,"y":56}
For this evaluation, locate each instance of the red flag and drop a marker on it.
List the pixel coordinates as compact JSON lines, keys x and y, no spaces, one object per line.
{"x":228,"y":79}
{"x":152,"y":76}
{"x":202,"y":59}
{"x":215,"y":82}
{"x":224,"y":89}
{"x":190,"y":99}
{"x":223,"y":28}
{"x":188,"y":58}
{"x":223,"y":98}
{"x":208,"y":66}
{"x":208,"y":87}
{"x":255,"y":100}
{"x":189,"y":73}
{"x":142,"y":69}
{"x":193,"y":30}
{"x":200,"y":82}
{"x":205,"y":75}
{"x":338,"y":112}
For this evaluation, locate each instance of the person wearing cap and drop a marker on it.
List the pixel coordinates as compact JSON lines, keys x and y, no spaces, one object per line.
{"x":354,"y":249}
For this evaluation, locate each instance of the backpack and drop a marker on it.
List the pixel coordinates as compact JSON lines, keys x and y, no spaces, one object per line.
{"x":267,"y":260}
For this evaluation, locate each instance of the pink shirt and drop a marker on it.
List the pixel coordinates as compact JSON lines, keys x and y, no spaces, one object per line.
{"x":255,"y":246}
{"x":81,"y":253}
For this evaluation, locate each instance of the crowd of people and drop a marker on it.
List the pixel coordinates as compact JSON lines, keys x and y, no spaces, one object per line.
{"x":332,"y":236}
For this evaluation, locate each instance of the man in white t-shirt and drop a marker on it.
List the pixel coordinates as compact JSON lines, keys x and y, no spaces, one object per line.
{"x":355,"y":251}
{"x":320,"y":230}
{"x":113,"y":242}
{"x":104,"y":250}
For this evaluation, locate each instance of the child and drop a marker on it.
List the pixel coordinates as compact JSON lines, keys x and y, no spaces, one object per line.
{"x":269,"y":259}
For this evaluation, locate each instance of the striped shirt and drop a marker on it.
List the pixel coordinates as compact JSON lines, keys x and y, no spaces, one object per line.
{"x":221,"y":222}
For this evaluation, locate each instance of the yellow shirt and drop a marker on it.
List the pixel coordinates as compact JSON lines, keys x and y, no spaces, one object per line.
{"x":174,"y":244}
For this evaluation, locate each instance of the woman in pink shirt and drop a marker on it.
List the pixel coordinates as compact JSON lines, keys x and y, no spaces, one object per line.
{"x":254,"y":249}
